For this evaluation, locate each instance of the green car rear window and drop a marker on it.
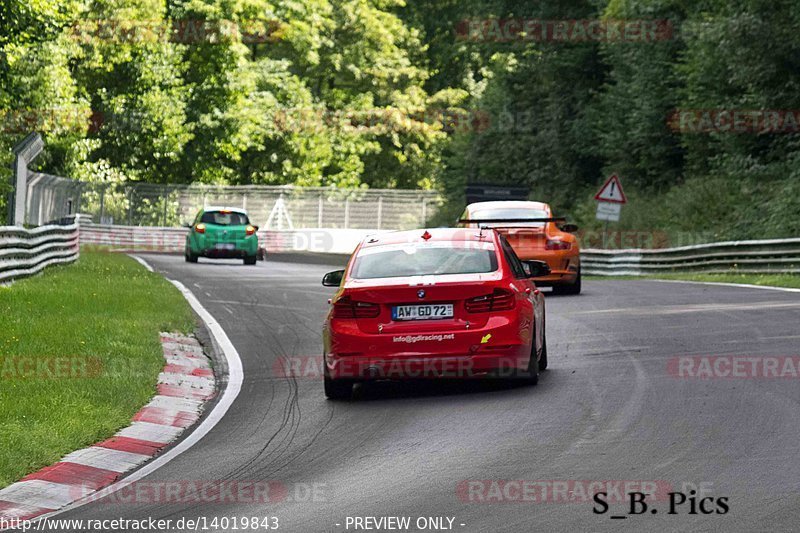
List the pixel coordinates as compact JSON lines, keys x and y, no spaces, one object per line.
{"x":224,"y":219}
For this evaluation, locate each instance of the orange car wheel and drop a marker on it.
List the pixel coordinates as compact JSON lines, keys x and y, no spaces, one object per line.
{"x":572,"y":288}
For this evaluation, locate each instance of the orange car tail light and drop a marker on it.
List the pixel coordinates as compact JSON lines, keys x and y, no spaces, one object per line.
{"x":347,"y":308}
{"x":200,"y":228}
{"x":554,"y":244}
{"x":499,"y":300}
{"x":250,"y":230}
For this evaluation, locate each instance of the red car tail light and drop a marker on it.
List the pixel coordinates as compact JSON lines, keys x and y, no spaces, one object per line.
{"x":249,"y":230}
{"x":200,"y":228}
{"x":499,"y":300}
{"x":553,"y":244}
{"x":347,"y":308}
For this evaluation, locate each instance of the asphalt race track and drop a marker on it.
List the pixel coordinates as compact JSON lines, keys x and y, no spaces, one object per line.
{"x":608,"y":409}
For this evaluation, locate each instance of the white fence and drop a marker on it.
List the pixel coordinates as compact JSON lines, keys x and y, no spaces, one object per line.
{"x":271,"y":207}
{"x":777,"y":256}
{"x":24,"y":252}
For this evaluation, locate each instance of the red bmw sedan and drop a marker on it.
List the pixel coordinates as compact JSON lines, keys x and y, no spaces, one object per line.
{"x":434,"y":303}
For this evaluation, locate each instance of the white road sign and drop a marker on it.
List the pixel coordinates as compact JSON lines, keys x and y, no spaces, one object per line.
{"x":608,"y":211}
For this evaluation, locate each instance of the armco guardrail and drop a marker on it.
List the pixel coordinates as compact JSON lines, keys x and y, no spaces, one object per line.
{"x":24,"y":252}
{"x":777,"y":256}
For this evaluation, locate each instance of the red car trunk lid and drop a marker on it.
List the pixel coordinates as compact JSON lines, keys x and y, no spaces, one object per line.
{"x":451,"y":289}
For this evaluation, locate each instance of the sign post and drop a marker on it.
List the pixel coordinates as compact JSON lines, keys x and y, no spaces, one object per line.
{"x":24,"y":152}
{"x":610,"y":199}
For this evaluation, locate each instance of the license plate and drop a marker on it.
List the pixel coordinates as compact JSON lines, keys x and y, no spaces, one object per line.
{"x":226,"y":247}
{"x":422,"y":312}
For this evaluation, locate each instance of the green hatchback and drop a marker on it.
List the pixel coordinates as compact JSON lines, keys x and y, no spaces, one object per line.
{"x":224,"y":233}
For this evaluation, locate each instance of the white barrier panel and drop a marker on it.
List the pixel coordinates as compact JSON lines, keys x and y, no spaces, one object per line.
{"x":144,"y":239}
{"x":323,"y":241}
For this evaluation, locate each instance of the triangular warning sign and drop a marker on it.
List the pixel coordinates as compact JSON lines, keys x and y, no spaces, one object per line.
{"x":278,"y":216}
{"x":612,"y":192}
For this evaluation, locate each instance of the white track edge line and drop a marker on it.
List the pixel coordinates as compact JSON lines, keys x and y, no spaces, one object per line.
{"x":235,"y":379}
{"x":722,"y":284}
{"x":142,"y":262}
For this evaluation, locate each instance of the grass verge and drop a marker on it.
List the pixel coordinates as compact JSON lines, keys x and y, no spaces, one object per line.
{"x":791,"y":281}
{"x":79,"y":355}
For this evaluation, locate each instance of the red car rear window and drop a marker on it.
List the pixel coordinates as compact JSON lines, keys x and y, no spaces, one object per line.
{"x":437,"y":258}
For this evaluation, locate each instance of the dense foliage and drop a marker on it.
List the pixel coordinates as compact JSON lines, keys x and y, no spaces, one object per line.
{"x":583,"y":110}
{"x":221,"y":91}
{"x":389,"y":93}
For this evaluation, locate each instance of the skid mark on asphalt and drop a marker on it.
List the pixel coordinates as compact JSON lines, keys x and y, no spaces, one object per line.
{"x":598,"y":432}
{"x":282,"y":440}
{"x":282,"y":437}
{"x":285,"y":435}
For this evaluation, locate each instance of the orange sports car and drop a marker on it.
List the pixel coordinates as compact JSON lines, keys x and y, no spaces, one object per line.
{"x":534,"y":234}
